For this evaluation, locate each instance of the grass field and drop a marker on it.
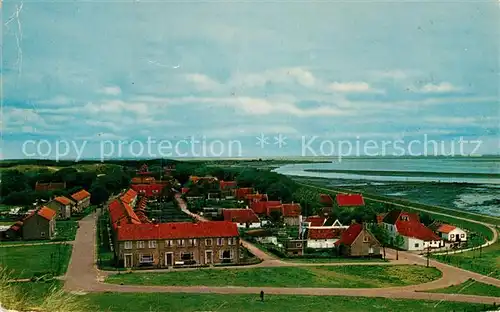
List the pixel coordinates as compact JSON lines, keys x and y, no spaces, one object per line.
{"x":30,"y":261}
{"x":35,"y":292}
{"x":340,"y":276}
{"x":487,"y":262}
{"x":121,"y":302}
{"x":471,"y":287}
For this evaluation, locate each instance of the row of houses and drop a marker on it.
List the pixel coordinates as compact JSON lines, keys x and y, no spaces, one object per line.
{"x":65,"y":206}
{"x":139,"y":242}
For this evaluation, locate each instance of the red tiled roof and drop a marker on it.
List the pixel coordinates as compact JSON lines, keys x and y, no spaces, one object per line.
{"x":149,"y":190}
{"x":240,"y":215}
{"x":446,"y":228}
{"x":397,"y":215}
{"x":122,"y":212}
{"x":177,"y":230}
{"x":323,"y":233}
{"x":291,"y":210}
{"x":316,"y":220}
{"x":241,"y":192}
{"x":256,"y":197}
{"x":227,"y":184}
{"x":129,"y":196}
{"x":63,"y":200}
{"x":325,"y":199}
{"x":264,"y":206}
{"x":416,"y":229}
{"x":47,"y":213}
{"x":350,"y":200}
{"x":80,"y":195}
{"x":350,"y":235}
{"x":49,"y":186}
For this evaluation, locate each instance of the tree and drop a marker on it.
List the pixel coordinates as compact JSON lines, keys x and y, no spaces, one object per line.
{"x":279,"y":191}
{"x":275,"y":217}
{"x":13,"y":181}
{"x":98,"y":194}
{"x":382,"y":235}
{"x":398,"y":242}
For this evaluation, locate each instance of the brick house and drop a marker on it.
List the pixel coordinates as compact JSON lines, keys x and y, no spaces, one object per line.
{"x":176,"y":244}
{"x":50,"y":186}
{"x":63,"y":207}
{"x":40,"y":224}
{"x":291,"y":214}
{"x":242,"y":192}
{"x":265,"y":207}
{"x":294,"y":247}
{"x":82,"y":200}
{"x":149,"y":190}
{"x":357,"y":241}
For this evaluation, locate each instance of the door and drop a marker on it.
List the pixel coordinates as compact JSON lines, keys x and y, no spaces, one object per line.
{"x":208,"y":257}
{"x":169,"y":259}
{"x":128,"y":261}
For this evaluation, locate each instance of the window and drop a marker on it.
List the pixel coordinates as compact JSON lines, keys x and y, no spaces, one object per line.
{"x":225,"y":254}
{"x":231,"y":241}
{"x":128,"y":245}
{"x":152,"y":244}
{"x":140,"y":244}
{"x":145,"y":258}
{"x":462,"y":235}
{"x":180,"y":242}
{"x":192,"y":242}
{"x":208,"y":242}
{"x":220,"y":241}
{"x":404,"y":218}
{"x":416,"y":245}
{"x":169,"y":243}
{"x":366,"y":239}
{"x":298,"y":245}
{"x":42,"y":234}
{"x":452,"y":236}
{"x":186,"y":256}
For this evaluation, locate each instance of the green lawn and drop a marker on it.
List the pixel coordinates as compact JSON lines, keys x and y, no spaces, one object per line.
{"x":471,"y":287}
{"x":333,"y":260}
{"x":38,"y":260}
{"x":35,"y":292}
{"x":487,"y":262}
{"x":351,"y":276}
{"x":133,"y":302}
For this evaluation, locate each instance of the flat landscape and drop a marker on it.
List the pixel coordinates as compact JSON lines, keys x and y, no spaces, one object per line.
{"x":333,"y":277}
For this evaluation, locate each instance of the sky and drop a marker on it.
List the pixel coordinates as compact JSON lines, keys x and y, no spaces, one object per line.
{"x":266,"y":78}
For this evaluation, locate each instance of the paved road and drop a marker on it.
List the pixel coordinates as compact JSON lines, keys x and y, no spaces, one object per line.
{"x":83,"y":276}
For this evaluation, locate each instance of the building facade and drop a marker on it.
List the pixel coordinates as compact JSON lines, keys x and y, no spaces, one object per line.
{"x":40,"y":224}
{"x":357,"y":241}
{"x":63,"y":207}
{"x":81,"y":199}
{"x":177,"y":244}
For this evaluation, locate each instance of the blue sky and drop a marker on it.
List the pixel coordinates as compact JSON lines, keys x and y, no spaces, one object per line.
{"x":93,"y":71}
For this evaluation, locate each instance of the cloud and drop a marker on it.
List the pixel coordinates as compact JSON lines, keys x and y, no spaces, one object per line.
{"x":353,"y":87}
{"x":282,"y":76}
{"x":443,"y":87}
{"x":112,"y":90}
{"x":202,"y":82}
{"x":58,"y":100}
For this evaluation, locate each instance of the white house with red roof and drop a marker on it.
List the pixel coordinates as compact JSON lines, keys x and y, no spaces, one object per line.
{"x":451,"y":233}
{"x":416,"y":236}
{"x":243,"y":218}
{"x":322,"y":238}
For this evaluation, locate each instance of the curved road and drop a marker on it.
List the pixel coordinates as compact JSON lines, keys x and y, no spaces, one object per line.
{"x":83,"y":276}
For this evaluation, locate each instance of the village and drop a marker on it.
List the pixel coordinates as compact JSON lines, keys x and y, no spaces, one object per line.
{"x":205,"y":222}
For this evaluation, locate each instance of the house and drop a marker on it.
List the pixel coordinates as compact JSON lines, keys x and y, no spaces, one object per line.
{"x":265,"y":207}
{"x":129,"y":197}
{"x":326,"y":200}
{"x":416,"y":235}
{"x":242,"y":192}
{"x":40,"y":224}
{"x":350,"y":200}
{"x":243,"y":218}
{"x":148,"y":190}
{"x":357,"y":241}
{"x":227,"y":188}
{"x":177,"y":244}
{"x":251,"y":198}
{"x":13,"y":232}
{"x":291,"y":214}
{"x":143,"y":180}
{"x":322,"y":238}
{"x":121,"y":213}
{"x":315,"y":221}
{"x":50,"y":186}
{"x":82,"y":200}
{"x":294,"y":247}
{"x":450,"y":233}
{"x":63,"y":206}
